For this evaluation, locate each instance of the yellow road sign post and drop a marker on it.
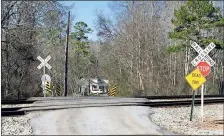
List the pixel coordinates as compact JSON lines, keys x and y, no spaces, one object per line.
{"x":195,"y":79}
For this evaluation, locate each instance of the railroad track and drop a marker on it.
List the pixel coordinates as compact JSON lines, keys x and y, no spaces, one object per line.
{"x":22,"y":101}
{"x":29,"y":101}
{"x":182,"y":102}
{"x":24,"y":110}
{"x":179,"y":97}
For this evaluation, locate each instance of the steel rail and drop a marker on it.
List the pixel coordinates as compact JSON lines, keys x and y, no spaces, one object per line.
{"x":24,"y":101}
{"x":178,"y":96}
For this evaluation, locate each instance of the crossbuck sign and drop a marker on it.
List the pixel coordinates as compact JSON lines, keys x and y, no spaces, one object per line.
{"x":203,"y":54}
{"x":44,"y":62}
{"x":196,"y":77}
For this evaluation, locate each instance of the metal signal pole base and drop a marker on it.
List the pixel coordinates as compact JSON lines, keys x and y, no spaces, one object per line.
{"x":192,"y":105}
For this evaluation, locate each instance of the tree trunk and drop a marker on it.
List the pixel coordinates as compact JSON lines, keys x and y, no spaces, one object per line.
{"x":7,"y":68}
{"x":174,"y":69}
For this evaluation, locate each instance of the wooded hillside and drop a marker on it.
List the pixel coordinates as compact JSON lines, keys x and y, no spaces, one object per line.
{"x":144,"y":47}
{"x":147,"y":50}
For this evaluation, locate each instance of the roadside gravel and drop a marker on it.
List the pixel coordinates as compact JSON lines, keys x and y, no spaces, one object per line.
{"x":176,"y":119}
{"x":16,"y":126}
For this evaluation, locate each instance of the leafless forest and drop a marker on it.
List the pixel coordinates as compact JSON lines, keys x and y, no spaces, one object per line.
{"x":132,"y":51}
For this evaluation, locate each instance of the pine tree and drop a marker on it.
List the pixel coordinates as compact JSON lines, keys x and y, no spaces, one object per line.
{"x":81,"y":29}
{"x":83,"y":55}
{"x":196,"y":21}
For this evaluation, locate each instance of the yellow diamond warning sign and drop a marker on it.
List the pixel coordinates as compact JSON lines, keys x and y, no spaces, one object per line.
{"x":195,"y":79}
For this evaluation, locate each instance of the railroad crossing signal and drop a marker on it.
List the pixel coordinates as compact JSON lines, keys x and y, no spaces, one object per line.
{"x":195,"y":79}
{"x":44,"y":62}
{"x":203,"y":54}
{"x":45,"y":78}
{"x":204,"y":68}
{"x":112,"y":91}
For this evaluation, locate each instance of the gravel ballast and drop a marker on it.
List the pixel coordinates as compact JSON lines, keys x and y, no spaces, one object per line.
{"x":176,"y":119}
{"x":16,"y":126}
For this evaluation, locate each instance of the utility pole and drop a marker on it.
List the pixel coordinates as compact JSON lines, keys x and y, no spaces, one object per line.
{"x":222,"y":83}
{"x":66,"y":59}
{"x":97,"y":74}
